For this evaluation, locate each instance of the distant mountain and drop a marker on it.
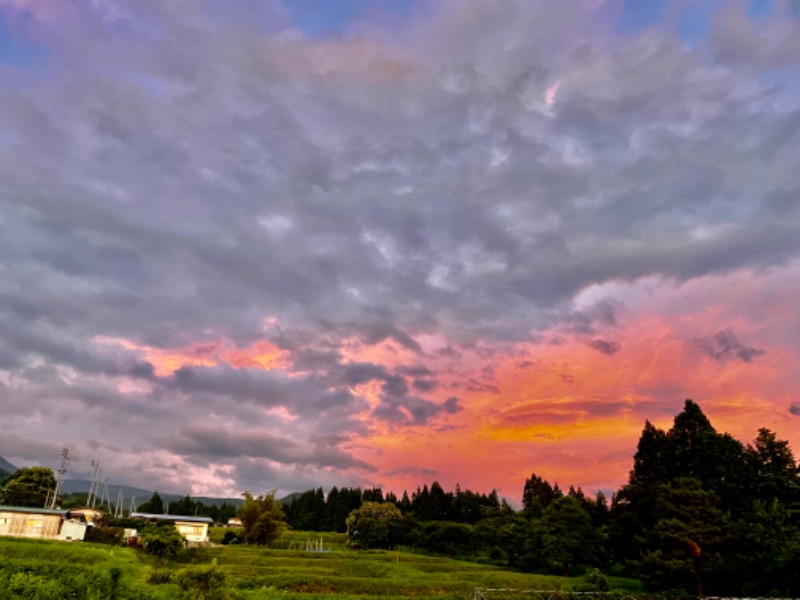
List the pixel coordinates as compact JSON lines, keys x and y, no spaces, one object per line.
{"x":81,"y":486}
{"x":288,"y":499}
{"x":6,"y":466}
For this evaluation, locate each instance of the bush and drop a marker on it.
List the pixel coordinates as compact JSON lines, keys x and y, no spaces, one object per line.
{"x":205,"y":581}
{"x":105,"y":535}
{"x":162,"y":540}
{"x":160,"y":576}
{"x":231,"y":536}
{"x":594,"y":581}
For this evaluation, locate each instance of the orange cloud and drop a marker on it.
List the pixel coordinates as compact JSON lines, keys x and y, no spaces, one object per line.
{"x":165,"y":361}
{"x":573,"y":414}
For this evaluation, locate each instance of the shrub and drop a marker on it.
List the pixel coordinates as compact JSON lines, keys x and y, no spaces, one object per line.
{"x":594,"y":580}
{"x":105,"y":535}
{"x":160,"y":576}
{"x":231,"y":536}
{"x":205,"y":581}
{"x":162,"y":540}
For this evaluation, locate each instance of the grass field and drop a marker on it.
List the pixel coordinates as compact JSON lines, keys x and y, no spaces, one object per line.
{"x":45,"y":570}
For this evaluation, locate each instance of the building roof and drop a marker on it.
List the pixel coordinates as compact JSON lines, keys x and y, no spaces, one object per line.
{"x":33,"y":510}
{"x":185,"y":518}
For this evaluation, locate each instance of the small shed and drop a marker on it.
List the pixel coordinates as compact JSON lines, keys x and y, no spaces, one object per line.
{"x":30,"y":522}
{"x":193,"y":529}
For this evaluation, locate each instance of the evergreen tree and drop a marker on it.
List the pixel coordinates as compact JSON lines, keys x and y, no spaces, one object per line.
{"x":568,"y":538}
{"x":775,"y":471}
{"x":537,"y":495}
{"x":652,"y":459}
{"x":154,"y":506}
{"x":684,"y":546}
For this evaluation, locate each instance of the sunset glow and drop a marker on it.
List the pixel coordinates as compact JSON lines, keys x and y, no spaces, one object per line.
{"x":457,"y":241}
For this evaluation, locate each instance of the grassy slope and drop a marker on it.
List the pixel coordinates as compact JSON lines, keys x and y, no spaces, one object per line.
{"x":258,"y":573}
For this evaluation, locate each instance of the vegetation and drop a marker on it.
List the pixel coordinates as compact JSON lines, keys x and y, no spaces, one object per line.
{"x":374,"y":525}
{"x":262,"y":518}
{"x":162,"y":539}
{"x":32,"y":569}
{"x":28,"y":487}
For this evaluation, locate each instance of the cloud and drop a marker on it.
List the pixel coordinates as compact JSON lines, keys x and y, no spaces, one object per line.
{"x":200,"y":441}
{"x":607,"y":347}
{"x":794,"y":409}
{"x":724,"y":346}
{"x":215,"y":214}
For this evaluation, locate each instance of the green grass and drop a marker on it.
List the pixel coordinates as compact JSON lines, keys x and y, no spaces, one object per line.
{"x":261,"y":573}
{"x":45,"y":569}
{"x":256,"y":573}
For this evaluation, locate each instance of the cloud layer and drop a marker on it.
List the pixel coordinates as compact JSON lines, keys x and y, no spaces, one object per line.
{"x":468,"y":246}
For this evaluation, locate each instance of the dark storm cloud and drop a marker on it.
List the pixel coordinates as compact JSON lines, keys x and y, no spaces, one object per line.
{"x":724,"y":346}
{"x":176,"y":178}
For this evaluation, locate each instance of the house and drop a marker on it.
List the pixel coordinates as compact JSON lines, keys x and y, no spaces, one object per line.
{"x":41,"y":523}
{"x":235,"y":522}
{"x":193,"y":529}
{"x":90,"y":515}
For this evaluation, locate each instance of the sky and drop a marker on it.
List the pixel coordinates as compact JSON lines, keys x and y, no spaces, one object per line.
{"x":263,"y":245}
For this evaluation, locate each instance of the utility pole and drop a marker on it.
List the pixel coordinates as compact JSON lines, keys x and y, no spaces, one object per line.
{"x":95,"y":485}
{"x":105,"y":495}
{"x":61,"y":471}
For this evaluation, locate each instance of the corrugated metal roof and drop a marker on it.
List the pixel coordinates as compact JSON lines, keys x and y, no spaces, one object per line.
{"x":32,"y":510}
{"x":188,"y":519}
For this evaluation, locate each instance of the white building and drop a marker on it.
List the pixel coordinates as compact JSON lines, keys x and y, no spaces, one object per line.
{"x":193,"y":529}
{"x":41,"y":523}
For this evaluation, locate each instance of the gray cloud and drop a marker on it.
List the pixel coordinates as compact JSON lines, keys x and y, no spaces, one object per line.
{"x":794,"y":409}
{"x":607,"y":347}
{"x":177,"y":179}
{"x":724,"y":346}
{"x":204,"y":441}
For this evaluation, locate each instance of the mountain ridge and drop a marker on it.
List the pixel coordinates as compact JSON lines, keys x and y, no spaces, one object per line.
{"x":82,"y":486}
{"x":6,"y":466}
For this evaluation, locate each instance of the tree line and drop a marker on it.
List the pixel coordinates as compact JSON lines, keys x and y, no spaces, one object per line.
{"x":701,"y":513}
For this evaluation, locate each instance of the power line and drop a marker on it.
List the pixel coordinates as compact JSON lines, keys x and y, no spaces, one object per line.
{"x":10,"y":443}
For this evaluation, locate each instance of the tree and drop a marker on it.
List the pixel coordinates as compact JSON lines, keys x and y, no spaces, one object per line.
{"x":29,"y":486}
{"x":776,"y":473}
{"x":162,"y":539}
{"x":652,"y":458}
{"x":185,"y":506}
{"x":262,"y":518}
{"x":537,"y":495}
{"x":568,"y":538}
{"x":374,"y":525}
{"x":154,"y":506}
{"x":690,"y":430}
{"x":684,"y":546}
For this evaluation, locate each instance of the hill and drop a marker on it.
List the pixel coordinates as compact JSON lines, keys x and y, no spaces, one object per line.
{"x":6,"y":466}
{"x":81,"y":486}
